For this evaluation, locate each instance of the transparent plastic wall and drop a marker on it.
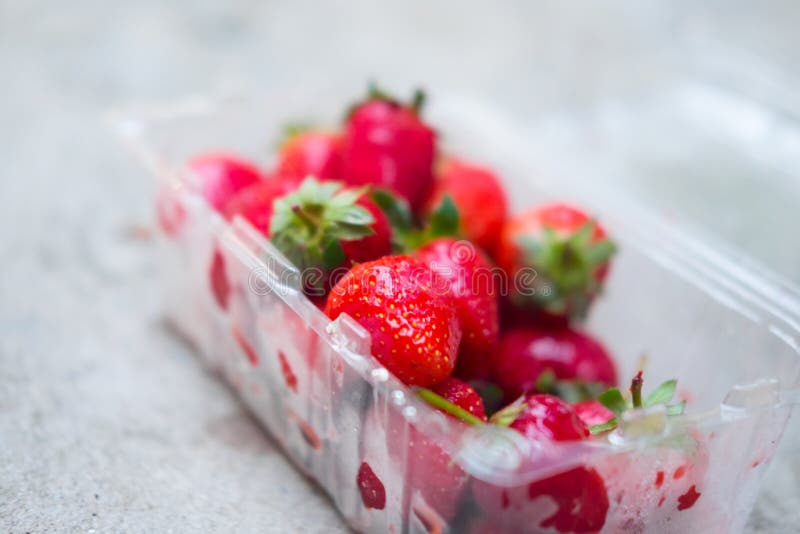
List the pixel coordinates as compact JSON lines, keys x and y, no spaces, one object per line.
{"x":392,"y":463}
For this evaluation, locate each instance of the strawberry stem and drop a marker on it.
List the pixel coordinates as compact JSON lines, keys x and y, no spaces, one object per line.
{"x":636,"y":390}
{"x":448,"y":407}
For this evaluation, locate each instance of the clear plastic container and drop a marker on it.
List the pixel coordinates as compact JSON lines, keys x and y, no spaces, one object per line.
{"x":729,"y":334}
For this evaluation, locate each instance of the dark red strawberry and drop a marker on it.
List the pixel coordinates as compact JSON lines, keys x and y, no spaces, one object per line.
{"x":524,"y":354}
{"x":221,"y":176}
{"x":556,"y":257}
{"x":323,"y":229}
{"x":315,"y":153}
{"x":254,"y":203}
{"x":571,"y":501}
{"x":386,"y":143}
{"x":478,"y":196}
{"x":415,"y":332}
{"x":465,"y":274}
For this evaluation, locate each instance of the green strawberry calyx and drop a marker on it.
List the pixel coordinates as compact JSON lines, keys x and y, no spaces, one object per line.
{"x":375,"y":92}
{"x":567,"y":267}
{"x":309,"y":224}
{"x":613,"y":399}
{"x":408,"y":236}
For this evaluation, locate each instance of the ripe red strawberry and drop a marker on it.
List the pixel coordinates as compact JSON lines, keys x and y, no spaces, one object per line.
{"x":315,"y":153}
{"x":386,"y":143}
{"x":462,"y":395}
{"x":465,"y":274}
{"x":371,"y":246}
{"x":572,"y":501}
{"x":254,"y":203}
{"x":592,"y":412}
{"x":415,"y":332}
{"x":557,"y":258}
{"x":221,"y":176}
{"x":324,"y":229}
{"x":524,"y":354}
{"x":478,"y":196}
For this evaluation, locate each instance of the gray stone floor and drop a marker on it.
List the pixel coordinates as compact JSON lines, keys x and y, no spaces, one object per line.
{"x":107,"y":423}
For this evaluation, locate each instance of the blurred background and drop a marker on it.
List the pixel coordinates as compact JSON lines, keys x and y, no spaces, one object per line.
{"x":106,"y":421}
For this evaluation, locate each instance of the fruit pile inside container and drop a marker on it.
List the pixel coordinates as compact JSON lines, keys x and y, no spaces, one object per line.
{"x":478,"y":310}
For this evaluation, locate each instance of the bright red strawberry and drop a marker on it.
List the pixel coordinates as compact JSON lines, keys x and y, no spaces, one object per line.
{"x":556,"y":257}
{"x":221,"y":176}
{"x":479,"y":198}
{"x":386,"y":143}
{"x":315,"y":153}
{"x":523,"y":354}
{"x":415,"y":332}
{"x":465,"y":274}
{"x":254,"y":203}
{"x":324,"y":229}
{"x":593,"y":412}
{"x":548,"y":417}
{"x":571,"y":501}
{"x":462,"y":395}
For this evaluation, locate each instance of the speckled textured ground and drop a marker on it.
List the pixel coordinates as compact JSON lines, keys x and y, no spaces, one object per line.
{"x":107,"y":423}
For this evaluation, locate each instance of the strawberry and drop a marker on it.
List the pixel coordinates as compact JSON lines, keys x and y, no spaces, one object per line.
{"x":222,"y":175}
{"x":415,"y":331}
{"x":655,"y":482}
{"x":525,"y":354}
{"x":556,"y":257}
{"x":386,"y":143}
{"x":311,"y":152}
{"x":478,"y":196}
{"x":465,"y":274}
{"x":571,"y":501}
{"x":460,"y":394}
{"x":323,"y":229}
{"x":592,"y":412}
{"x":254,"y":202}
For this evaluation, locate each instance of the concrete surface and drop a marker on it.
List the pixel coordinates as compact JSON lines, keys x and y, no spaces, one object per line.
{"x":107,"y":423}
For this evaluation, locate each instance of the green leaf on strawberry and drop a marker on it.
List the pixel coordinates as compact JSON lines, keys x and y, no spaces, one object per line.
{"x":568,"y":266}
{"x":406,"y":236}
{"x":613,"y":399}
{"x":375,"y":92}
{"x":398,"y":213}
{"x":308,"y":224}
